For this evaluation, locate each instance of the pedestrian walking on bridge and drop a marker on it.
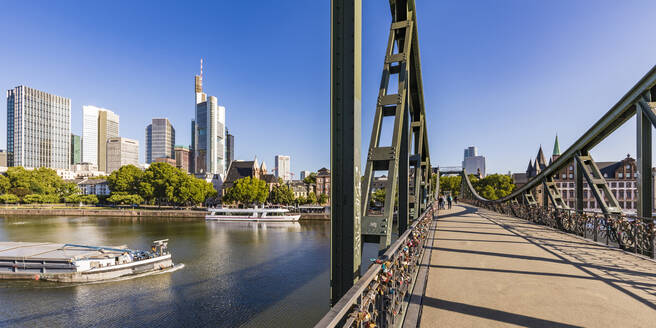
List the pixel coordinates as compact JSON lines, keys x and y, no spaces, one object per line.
{"x":450,"y":200}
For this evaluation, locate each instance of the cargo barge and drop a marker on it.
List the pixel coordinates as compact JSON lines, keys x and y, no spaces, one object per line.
{"x":79,"y":263}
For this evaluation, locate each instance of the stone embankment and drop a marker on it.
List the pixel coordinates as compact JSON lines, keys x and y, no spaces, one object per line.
{"x":100,"y":212}
{"x":91,"y":211}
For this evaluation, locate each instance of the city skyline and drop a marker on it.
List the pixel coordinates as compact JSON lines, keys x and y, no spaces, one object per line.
{"x":512,"y":76}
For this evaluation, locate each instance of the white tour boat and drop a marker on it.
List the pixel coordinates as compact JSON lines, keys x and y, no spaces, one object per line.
{"x":251,"y":214}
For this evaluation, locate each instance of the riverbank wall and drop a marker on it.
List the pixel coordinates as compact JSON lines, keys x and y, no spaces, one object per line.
{"x":127,"y":213}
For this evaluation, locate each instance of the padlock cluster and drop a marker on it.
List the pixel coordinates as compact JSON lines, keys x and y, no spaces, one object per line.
{"x":381,"y":304}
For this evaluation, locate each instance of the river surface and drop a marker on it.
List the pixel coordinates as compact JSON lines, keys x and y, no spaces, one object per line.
{"x":234,"y":274}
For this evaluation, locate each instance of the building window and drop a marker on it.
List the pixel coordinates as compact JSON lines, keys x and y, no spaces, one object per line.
{"x":628,"y":167}
{"x":571,"y":184}
{"x":571,"y":175}
{"x":571,"y":168}
{"x":571,"y":193}
{"x":619,"y":175}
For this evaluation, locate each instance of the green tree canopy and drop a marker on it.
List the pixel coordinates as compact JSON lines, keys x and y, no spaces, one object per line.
{"x":312,"y":198}
{"x":310,"y":179}
{"x":247,"y":191}
{"x":494,"y":186}
{"x":42,"y":181}
{"x":450,"y":184}
{"x":161,"y":183}
{"x":9,"y":199}
{"x":126,"y":179}
{"x":281,"y":194}
{"x":379,"y":196}
{"x":124,"y":199}
{"x":323,"y":199}
{"x":5,"y":184}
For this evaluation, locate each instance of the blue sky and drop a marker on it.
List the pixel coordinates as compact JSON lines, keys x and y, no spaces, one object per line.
{"x":503,"y":75}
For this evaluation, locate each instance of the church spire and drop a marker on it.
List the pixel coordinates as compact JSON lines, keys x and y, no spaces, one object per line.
{"x":556,"y":149}
{"x":540,"y":162}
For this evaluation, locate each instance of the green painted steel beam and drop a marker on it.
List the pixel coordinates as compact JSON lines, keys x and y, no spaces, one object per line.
{"x":644,"y":159}
{"x":345,"y":125}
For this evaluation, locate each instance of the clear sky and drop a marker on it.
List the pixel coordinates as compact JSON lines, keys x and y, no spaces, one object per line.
{"x":503,"y":75}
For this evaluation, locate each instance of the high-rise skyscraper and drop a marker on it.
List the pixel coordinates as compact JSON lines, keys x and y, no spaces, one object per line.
{"x":472,"y":163}
{"x":471,"y":152}
{"x":98,"y":125}
{"x":121,"y":151}
{"x":305,"y":174}
{"x":38,"y":129}
{"x":209,"y":130}
{"x":76,"y":149}
{"x":283,"y":165}
{"x":192,"y":153}
{"x":230,"y":149}
{"x":160,"y":140}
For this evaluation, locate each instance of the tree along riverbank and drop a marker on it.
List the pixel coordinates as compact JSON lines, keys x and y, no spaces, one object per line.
{"x":107,"y":211}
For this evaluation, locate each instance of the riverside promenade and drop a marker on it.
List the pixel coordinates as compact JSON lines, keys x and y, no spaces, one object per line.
{"x":491,"y":270}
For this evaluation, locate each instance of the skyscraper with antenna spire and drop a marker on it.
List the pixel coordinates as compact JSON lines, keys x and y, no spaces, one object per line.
{"x":208,"y":133}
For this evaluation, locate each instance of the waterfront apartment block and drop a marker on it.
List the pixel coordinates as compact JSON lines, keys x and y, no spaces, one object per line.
{"x":209,"y":133}
{"x":38,"y":129}
{"x":76,"y":149}
{"x":283,"y":165}
{"x":323,"y":182}
{"x":98,"y":125}
{"x":120,"y":152}
{"x":160,"y":140}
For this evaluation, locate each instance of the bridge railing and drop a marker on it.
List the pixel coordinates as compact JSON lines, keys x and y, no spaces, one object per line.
{"x":380,"y":297}
{"x":621,"y":230}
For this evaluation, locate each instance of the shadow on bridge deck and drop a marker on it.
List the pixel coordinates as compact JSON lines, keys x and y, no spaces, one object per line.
{"x":488,"y":269}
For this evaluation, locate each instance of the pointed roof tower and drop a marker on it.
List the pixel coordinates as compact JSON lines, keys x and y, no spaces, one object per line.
{"x":556,"y":150}
{"x":540,"y":162}
{"x":530,"y":166}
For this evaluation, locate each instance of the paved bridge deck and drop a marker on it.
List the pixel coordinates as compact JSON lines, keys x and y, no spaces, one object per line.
{"x":488,"y":269}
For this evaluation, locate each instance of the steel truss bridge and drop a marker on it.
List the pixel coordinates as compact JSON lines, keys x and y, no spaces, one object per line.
{"x":392,"y":292}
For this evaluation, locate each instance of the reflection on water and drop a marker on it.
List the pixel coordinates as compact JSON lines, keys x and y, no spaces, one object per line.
{"x":235,"y":274}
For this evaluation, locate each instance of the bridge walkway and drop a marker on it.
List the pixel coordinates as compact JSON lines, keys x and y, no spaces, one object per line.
{"x":488,"y":270}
